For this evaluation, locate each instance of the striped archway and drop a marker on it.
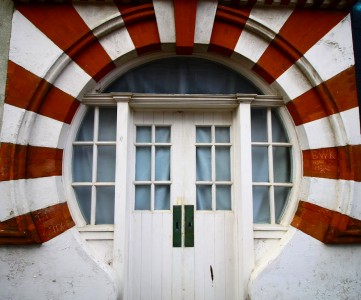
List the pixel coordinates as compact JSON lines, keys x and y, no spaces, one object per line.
{"x":54,"y":60}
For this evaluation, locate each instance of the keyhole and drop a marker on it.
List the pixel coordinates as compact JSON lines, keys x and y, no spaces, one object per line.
{"x":189,"y":224}
{"x":176,"y":226}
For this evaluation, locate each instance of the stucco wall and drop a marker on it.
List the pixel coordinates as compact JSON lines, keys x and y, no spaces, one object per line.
{"x":6,"y":8}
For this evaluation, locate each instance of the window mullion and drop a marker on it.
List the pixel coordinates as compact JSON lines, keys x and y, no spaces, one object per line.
{"x":152,"y":187}
{"x":95,"y":166}
{"x":270,"y":166}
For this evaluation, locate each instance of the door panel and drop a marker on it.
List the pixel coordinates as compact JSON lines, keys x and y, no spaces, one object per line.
{"x":205,"y":269}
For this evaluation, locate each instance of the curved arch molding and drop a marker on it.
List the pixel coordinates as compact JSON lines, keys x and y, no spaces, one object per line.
{"x":54,"y":60}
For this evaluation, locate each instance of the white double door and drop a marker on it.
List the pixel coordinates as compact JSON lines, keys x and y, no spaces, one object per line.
{"x":155,"y":268}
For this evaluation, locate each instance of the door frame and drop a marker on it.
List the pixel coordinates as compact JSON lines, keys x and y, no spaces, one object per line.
{"x":241,"y":104}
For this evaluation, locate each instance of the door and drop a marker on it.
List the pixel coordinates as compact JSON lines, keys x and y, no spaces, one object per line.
{"x":182,"y":236}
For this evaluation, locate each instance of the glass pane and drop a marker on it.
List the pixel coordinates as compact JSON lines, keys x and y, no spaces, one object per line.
{"x":142,"y":197}
{"x":143,"y":163}
{"x":278,"y":130}
{"x":104,"y":213}
{"x":162,"y":134}
{"x":261,"y":207}
{"x":144,"y":134}
{"x":223,"y":164}
{"x":260,"y":164}
{"x":85,"y":132}
{"x":223,"y":197}
{"x":83,"y":195}
{"x":107,"y":124}
{"x":259,"y":125}
{"x":282,"y":164}
{"x":82,"y":163}
{"x":162,"y":163}
{"x":106,"y":164}
{"x":204,"y":163}
{"x":281,"y":196}
{"x":222,"y":135}
{"x":204,"y":197}
{"x":162,"y":197}
{"x":203,"y":134}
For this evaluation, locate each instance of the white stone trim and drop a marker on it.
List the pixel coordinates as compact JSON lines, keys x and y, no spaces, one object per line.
{"x":351,"y":121}
{"x":206,"y":11}
{"x":164,"y":14}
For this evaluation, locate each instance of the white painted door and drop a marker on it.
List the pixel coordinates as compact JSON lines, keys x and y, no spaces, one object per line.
{"x":182,"y":158}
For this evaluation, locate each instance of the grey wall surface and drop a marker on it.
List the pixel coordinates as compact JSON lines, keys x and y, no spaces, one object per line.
{"x":6,"y":12}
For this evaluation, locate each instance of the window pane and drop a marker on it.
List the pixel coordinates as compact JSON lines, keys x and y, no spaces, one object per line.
{"x":203,"y":134}
{"x":259,"y":125}
{"x":222,"y":135}
{"x":85,"y":132}
{"x":281,"y":196}
{"x":223,"y":163}
{"x":223,"y":197}
{"x":261,"y":207}
{"x":144,"y":134}
{"x":107,"y":124}
{"x":204,"y":163}
{"x":162,"y":197}
{"x":82,"y":163}
{"x":143,"y":163}
{"x":142,"y":197}
{"x":260,"y":164}
{"x":162,"y":135}
{"x":106,"y":164}
{"x":278,"y":130}
{"x":204,"y":197}
{"x":83,"y":195}
{"x":162,"y":163}
{"x":282,"y":164}
{"x":104,"y":213}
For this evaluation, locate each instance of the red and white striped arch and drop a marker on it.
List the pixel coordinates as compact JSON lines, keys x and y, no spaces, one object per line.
{"x":58,"y":52}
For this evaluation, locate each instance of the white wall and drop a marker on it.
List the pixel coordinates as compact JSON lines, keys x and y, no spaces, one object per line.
{"x":308,"y":269}
{"x":58,"y":269}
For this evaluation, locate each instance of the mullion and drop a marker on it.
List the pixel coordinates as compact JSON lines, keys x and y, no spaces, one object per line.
{"x":95,"y":165}
{"x":213,"y":167}
{"x":270,"y":167}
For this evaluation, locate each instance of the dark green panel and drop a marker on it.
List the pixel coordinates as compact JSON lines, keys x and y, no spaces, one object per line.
{"x":177,"y":226}
{"x":189,"y":226}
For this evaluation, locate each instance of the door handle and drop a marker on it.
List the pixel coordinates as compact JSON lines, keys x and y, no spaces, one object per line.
{"x":177,"y":226}
{"x":188,"y":225}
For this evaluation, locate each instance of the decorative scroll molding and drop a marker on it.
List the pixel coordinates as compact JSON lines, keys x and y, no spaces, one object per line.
{"x":36,"y":227}
{"x":327,"y":226}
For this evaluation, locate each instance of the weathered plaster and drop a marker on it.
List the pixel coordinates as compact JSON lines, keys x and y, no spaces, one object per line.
{"x":58,"y":269}
{"x":6,"y":9}
{"x":304,"y":268}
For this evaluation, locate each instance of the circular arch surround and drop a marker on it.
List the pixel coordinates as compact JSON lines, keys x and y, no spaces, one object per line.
{"x":238,"y":63}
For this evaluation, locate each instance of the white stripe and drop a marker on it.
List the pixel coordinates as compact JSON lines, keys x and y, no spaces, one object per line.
{"x":316,"y":134}
{"x":30,"y":48}
{"x":292,"y":83}
{"x":117,"y":43}
{"x":251,"y":45}
{"x":21,"y":196}
{"x":73,"y":79}
{"x":164,"y":14}
{"x":206,"y":11}
{"x":26,"y":127}
{"x":334,"y":52}
{"x":351,"y":121}
{"x":272,"y":18}
{"x":95,"y":15}
{"x":335,"y":194}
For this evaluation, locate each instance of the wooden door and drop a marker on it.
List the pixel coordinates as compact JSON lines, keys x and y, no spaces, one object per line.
{"x":182,"y":159}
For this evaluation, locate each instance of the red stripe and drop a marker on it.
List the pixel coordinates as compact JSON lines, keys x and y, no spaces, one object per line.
{"x":333,"y":96}
{"x":26,"y":90}
{"x":334,"y":163}
{"x":142,"y":27}
{"x":36,"y":227}
{"x":63,"y":25}
{"x":22,"y":162}
{"x":227,"y":28}
{"x":185,"y":24}
{"x":327,"y":226}
{"x":290,"y":45}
